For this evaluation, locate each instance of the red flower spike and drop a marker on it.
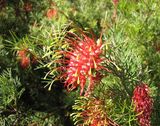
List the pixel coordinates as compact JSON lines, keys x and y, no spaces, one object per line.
{"x":143,"y":104}
{"x":83,"y":61}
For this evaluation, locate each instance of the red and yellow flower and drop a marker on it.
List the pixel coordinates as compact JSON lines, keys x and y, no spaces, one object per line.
{"x":83,"y":63}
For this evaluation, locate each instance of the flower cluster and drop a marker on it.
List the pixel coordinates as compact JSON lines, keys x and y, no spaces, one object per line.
{"x":51,"y":13}
{"x":25,"y":58}
{"x":84,"y":61}
{"x":143,"y":104}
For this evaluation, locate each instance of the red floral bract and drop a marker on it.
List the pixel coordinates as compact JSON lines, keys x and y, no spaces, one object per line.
{"x":143,"y":104}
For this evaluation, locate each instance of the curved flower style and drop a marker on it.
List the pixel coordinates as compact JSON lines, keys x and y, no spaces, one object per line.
{"x":143,"y":104}
{"x":84,"y":62}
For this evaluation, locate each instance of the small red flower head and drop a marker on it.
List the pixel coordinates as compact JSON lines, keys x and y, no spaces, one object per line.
{"x":51,"y":13}
{"x":84,"y":62}
{"x":143,"y":104}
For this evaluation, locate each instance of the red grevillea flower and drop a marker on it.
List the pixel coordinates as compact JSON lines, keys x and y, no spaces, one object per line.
{"x":23,"y":58}
{"x":51,"y":13}
{"x":143,"y":104}
{"x":84,"y":63}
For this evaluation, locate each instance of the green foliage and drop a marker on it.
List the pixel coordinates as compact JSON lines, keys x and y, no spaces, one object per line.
{"x":130,"y":34}
{"x":10,"y":89}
